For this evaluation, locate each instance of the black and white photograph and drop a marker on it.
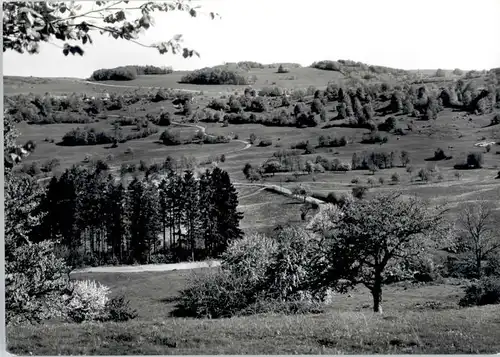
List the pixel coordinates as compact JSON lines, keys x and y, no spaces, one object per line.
{"x":265,"y":177}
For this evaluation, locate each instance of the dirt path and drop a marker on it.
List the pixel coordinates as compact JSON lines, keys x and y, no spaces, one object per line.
{"x":149,"y":267}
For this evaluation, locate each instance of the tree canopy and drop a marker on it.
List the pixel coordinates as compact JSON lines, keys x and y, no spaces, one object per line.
{"x":27,"y":24}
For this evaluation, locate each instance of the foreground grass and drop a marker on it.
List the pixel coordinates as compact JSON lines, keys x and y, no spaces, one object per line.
{"x":417,"y":319}
{"x":473,"y":330}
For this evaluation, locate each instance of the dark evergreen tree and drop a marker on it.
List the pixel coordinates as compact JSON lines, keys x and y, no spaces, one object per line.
{"x":191,"y":212}
{"x":224,"y":211}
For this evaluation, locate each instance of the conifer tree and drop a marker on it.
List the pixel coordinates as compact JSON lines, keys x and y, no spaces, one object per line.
{"x":191,"y":212}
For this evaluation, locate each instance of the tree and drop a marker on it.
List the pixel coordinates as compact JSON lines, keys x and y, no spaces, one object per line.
{"x":253,"y":137}
{"x":405,"y":158}
{"x":478,"y":233}
{"x":372,"y":240}
{"x":46,"y":21}
{"x":191,"y":212}
{"x":35,"y":278}
{"x":225,"y":216}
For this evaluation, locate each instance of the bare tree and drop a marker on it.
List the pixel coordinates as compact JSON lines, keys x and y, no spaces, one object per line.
{"x":477,"y":233}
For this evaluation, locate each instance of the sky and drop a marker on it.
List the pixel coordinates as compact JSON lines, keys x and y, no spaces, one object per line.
{"x":407,"y":34}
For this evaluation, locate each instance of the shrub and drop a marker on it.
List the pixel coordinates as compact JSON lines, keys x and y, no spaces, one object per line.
{"x":169,"y":138}
{"x":483,"y":292}
{"x":395,"y":177}
{"x":265,"y":142}
{"x":118,"y":310}
{"x":165,"y":119}
{"x":87,"y":301}
{"x":439,"y":154}
{"x":282,"y":69}
{"x":373,"y":138}
{"x":218,"y":104}
{"x":496,"y":119}
{"x":359,"y":192}
{"x":424,"y":174}
{"x":474,"y":160}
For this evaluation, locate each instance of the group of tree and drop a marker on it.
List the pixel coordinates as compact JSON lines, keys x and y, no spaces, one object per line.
{"x":100,"y":221}
{"x":93,"y":136}
{"x":217,"y":75}
{"x":170,"y":137}
{"x":127,"y":73}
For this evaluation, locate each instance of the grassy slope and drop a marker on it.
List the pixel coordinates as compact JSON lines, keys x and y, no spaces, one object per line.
{"x":410,"y":325}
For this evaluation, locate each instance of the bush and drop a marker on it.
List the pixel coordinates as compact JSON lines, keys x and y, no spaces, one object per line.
{"x":87,"y":301}
{"x":265,"y":142}
{"x":257,"y":274}
{"x":373,"y":138}
{"x":118,"y":310}
{"x":169,"y":138}
{"x":214,"y":293}
{"x":395,"y":177}
{"x":474,"y":160}
{"x":439,"y":154}
{"x":359,"y":192}
{"x":496,"y":119}
{"x":486,"y":291}
{"x":282,"y":69}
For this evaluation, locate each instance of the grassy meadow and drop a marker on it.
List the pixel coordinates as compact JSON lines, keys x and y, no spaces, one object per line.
{"x":417,"y":319}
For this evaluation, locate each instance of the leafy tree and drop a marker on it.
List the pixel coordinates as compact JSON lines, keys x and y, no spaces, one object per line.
{"x":170,"y":138}
{"x":372,"y":240}
{"x":316,"y":106}
{"x":478,"y":233}
{"x":405,"y":158}
{"x":46,"y":21}
{"x":35,"y":278}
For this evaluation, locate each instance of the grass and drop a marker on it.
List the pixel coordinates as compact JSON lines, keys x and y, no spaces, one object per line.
{"x":418,"y":319}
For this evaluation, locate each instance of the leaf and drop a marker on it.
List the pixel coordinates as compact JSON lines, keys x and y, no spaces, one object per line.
{"x":178,"y":37}
{"x":192,"y":12}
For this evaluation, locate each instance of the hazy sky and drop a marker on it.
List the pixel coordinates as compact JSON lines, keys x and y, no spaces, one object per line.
{"x":409,"y":34}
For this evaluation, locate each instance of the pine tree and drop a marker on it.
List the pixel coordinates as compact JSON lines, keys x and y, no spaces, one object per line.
{"x":116,"y":220}
{"x":135,"y":214}
{"x":225,"y":211}
{"x":208,"y":221}
{"x":191,"y":212}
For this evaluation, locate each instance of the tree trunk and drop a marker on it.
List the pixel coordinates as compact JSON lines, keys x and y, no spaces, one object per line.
{"x":478,"y":267}
{"x":377,"y":295}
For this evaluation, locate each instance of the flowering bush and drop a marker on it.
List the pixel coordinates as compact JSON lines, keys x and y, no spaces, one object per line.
{"x":87,"y":301}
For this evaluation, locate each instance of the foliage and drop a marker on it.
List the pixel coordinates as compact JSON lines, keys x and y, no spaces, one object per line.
{"x":87,"y":301}
{"x":257,"y":274}
{"x":45,"y":21}
{"x":35,"y":280}
{"x":118,"y":310}
{"x":375,"y":239}
{"x":374,"y":159}
{"x":483,"y":292}
{"x":170,"y":138}
{"x":374,"y":137}
{"x":126,"y":73}
{"x":216,"y":75}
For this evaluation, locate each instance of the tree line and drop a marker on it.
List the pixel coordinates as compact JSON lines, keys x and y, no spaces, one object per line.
{"x":100,"y":221}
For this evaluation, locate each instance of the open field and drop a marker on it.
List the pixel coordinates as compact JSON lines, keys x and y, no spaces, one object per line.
{"x":417,"y":319}
{"x":302,"y":78}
